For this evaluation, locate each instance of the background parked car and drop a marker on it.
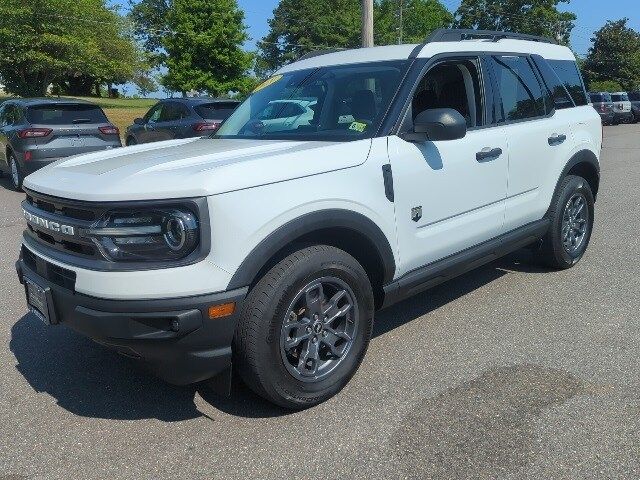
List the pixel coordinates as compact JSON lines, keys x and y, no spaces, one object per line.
{"x":180,"y":118}
{"x":285,"y":115}
{"x":603,"y":104}
{"x":35,"y":132}
{"x":634,"y":98}
{"x":621,"y":108}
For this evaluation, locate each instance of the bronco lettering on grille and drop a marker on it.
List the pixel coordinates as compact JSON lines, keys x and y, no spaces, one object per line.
{"x":49,"y":224}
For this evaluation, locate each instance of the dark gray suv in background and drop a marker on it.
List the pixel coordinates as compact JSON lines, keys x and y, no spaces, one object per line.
{"x":634,"y":97}
{"x":180,"y":118}
{"x":37,"y":131}
{"x":603,"y":104}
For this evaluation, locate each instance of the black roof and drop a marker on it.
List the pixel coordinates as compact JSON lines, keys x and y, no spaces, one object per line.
{"x":50,"y":101}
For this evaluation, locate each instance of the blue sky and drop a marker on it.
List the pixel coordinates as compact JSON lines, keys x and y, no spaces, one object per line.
{"x":592,"y":14}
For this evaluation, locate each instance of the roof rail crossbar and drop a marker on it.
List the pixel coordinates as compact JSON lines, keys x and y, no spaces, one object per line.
{"x":456,"y":35}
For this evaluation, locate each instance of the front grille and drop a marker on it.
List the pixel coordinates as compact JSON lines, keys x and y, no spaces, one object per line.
{"x":57,"y":275}
{"x":66,"y":208}
{"x":73,"y":212}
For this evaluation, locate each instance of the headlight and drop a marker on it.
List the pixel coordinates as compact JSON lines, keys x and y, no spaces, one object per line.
{"x":153,"y":235}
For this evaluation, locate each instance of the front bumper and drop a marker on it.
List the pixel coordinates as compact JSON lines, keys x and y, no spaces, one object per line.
{"x":174,"y":337}
{"x":622,"y":117}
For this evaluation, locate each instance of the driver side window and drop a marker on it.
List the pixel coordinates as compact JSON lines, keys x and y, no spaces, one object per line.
{"x":153,"y":115}
{"x":452,"y":84}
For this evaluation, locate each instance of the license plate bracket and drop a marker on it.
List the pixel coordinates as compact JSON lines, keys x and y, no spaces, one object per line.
{"x":40,"y":301}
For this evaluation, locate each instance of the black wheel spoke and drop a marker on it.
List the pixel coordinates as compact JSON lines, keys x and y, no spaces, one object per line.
{"x":314,"y":298}
{"x":309,"y":359}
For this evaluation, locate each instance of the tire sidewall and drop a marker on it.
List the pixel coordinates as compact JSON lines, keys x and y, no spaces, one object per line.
{"x":277,"y":380}
{"x":573,"y":186}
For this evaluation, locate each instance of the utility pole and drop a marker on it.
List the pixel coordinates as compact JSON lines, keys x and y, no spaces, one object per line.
{"x":367,"y":23}
{"x":400,"y":8}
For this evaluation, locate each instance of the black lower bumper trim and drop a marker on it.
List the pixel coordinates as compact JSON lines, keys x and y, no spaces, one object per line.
{"x":174,"y":336}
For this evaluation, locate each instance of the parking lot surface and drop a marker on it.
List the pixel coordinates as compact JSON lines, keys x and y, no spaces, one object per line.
{"x":511,"y":371}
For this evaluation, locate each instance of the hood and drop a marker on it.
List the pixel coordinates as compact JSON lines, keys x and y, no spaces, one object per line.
{"x":191,"y":168}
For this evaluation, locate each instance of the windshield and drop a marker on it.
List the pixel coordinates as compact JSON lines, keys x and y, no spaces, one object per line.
{"x":620,"y":97}
{"x":336,"y":103}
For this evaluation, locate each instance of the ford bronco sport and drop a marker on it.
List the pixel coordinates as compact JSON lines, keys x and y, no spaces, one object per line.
{"x":271,"y":249}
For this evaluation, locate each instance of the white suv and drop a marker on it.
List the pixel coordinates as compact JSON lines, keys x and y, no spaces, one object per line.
{"x":273,"y":249}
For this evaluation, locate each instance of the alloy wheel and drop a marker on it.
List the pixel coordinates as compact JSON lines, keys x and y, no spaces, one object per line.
{"x":319,"y":329}
{"x":575,"y":223}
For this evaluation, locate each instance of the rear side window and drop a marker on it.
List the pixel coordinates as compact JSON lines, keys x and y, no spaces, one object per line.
{"x":560,"y":96}
{"x":607,"y":97}
{"x":569,"y":74}
{"x":216,"y":111}
{"x":65,"y":114}
{"x":173,"y":111}
{"x":10,"y":115}
{"x":596,"y":98}
{"x":519,"y":89}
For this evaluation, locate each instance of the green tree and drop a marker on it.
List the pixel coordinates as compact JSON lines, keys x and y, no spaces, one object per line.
{"x":77,"y":42}
{"x":150,"y":25}
{"x":301,"y":26}
{"x":419,"y":19}
{"x":534,"y":17}
{"x":614,"y":56}
{"x":604,"y":86}
{"x":204,"y":47}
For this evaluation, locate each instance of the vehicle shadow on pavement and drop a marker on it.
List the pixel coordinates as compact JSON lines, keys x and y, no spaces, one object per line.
{"x":425,"y":302}
{"x":90,"y":380}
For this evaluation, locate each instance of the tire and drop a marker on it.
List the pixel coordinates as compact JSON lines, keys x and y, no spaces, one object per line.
{"x":272,"y":320}
{"x":131,"y":141}
{"x":558,"y":249}
{"x":15,"y":172}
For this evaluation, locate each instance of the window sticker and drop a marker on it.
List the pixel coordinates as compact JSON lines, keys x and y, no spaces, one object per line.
{"x":358,"y":127}
{"x":268,"y":82}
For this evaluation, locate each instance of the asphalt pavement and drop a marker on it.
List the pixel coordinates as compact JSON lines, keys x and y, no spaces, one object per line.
{"x":511,"y":372}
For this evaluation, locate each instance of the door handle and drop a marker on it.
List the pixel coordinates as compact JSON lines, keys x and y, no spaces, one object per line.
{"x":556,"y":139}
{"x":487,"y":154}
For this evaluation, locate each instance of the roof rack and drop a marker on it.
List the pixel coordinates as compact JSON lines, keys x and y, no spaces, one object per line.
{"x":456,"y":35}
{"x":317,"y":53}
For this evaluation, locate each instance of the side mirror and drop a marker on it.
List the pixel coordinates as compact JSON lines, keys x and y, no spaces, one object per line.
{"x":139,"y":121}
{"x":438,"y":124}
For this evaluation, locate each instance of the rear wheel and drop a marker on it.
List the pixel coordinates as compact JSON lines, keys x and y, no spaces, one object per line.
{"x":305,"y":327}
{"x":15,"y":172}
{"x":571,"y":217}
{"x":131,"y":141}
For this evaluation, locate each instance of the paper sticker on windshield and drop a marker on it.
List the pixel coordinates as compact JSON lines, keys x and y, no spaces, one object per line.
{"x":267,"y":82}
{"x":358,"y":127}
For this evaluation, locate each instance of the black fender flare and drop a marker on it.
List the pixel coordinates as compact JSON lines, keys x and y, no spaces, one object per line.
{"x":288,"y":233}
{"x":583,"y":156}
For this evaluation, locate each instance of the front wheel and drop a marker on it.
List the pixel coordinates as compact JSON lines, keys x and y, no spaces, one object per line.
{"x":571,"y":216}
{"x":305,"y":327}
